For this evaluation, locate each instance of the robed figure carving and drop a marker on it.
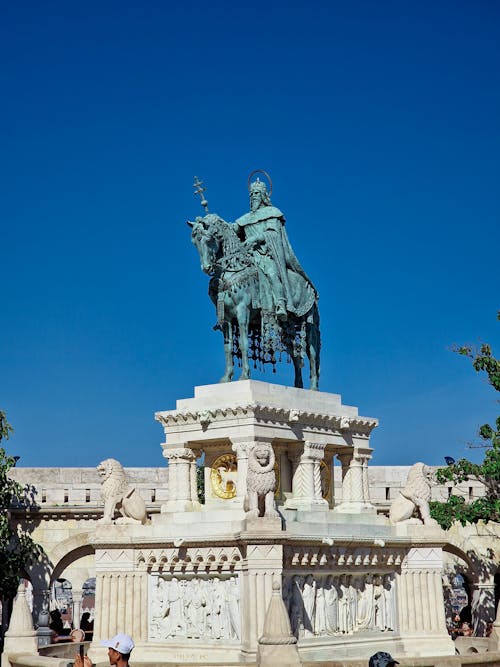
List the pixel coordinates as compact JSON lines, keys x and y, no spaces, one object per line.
{"x":266,"y":304}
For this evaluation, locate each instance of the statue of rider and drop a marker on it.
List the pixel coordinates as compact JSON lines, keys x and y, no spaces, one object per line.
{"x":264,"y":234}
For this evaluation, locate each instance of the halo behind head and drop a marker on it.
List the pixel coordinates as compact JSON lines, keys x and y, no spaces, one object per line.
{"x":264,"y":173}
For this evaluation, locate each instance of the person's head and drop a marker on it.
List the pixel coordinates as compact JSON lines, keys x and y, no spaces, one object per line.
{"x":259,"y":195}
{"x":119,"y":648}
{"x":382,"y":659}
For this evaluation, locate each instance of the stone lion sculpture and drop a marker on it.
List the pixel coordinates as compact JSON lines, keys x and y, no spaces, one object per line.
{"x":119,"y":496}
{"x":414,"y":497}
{"x":261,"y":481}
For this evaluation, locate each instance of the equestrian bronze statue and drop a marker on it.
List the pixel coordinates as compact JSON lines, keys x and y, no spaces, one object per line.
{"x":266,"y":304}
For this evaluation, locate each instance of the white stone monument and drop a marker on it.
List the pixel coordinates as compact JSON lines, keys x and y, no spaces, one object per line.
{"x":194,"y":584}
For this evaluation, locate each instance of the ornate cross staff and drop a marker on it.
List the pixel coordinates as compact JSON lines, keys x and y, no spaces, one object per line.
{"x":199,"y":190}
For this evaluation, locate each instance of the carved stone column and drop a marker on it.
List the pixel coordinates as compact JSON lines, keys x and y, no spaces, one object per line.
{"x":306,"y":480}
{"x":420,"y":599}
{"x":355,"y":490}
{"x":180,"y":497}
{"x":77,"y":607}
{"x":330,"y":491}
{"x":121,"y":598}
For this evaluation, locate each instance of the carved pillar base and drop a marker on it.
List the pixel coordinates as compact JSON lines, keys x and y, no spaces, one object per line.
{"x":355,"y":491}
{"x":420,"y":600}
{"x":306,"y":479}
{"x":181,"y":487}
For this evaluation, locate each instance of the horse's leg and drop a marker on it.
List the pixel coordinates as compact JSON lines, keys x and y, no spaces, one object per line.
{"x":297,"y":367}
{"x":243,"y":315}
{"x":313,"y":344}
{"x":227,"y":330}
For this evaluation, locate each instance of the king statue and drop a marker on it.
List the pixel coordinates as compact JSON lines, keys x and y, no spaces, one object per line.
{"x":263,"y":232}
{"x":264,"y":300}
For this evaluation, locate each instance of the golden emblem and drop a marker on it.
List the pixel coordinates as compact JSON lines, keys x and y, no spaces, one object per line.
{"x":224,"y":476}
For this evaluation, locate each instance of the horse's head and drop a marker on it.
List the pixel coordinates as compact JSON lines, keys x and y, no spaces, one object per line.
{"x":207,"y":237}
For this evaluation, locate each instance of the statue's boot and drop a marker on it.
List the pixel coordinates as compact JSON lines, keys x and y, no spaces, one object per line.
{"x":281,"y":310}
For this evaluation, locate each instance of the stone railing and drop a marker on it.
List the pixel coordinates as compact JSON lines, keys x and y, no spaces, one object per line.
{"x":81,"y":487}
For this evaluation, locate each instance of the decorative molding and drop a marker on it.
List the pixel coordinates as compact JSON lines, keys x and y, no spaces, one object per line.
{"x":189,"y":559}
{"x":341,"y":423}
{"x":344,"y":558}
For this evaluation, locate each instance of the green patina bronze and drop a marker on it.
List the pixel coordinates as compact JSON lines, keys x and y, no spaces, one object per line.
{"x":266,"y":304}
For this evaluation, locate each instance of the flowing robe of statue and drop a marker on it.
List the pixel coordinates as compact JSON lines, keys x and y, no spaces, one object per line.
{"x":277,"y":264}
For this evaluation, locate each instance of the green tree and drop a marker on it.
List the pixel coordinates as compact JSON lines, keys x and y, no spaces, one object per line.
{"x":17,"y":549}
{"x":487,"y":472}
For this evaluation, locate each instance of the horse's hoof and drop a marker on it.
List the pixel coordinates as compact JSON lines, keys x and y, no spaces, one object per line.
{"x":224,"y":378}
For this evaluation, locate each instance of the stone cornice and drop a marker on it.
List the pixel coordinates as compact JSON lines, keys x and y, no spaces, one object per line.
{"x":267,"y":413}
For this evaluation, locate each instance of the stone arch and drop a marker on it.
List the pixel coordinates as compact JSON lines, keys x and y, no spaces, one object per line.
{"x":73,"y":559}
{"x":479,"y":571}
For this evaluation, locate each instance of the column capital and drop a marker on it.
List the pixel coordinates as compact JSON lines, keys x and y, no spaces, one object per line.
{"x":314,"y":451}
{"x":173,"y":455}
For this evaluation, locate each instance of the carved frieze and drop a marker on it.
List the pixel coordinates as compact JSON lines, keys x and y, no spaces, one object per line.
{"x":195,"y":607}
{"x":329,"y":605}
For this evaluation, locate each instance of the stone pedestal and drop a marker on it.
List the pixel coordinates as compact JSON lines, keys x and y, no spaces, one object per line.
{"x":194,"y":585}
{"x":306,"y":429}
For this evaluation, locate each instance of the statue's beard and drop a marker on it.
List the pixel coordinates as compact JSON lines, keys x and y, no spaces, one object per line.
{"x":255,"y":203}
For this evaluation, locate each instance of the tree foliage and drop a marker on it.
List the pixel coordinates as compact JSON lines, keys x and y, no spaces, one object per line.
{"x":17,"y":548}
{"x":486,"y":508}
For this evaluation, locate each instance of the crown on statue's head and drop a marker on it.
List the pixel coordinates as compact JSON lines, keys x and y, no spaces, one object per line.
{"x":258,"y":186}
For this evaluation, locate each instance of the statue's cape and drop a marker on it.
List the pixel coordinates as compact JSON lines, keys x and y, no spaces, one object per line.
{"x":261,"y":214}
{"x":302,"y":301}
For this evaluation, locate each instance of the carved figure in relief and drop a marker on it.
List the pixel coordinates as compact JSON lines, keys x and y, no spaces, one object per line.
{"x":261,"y":481}
{"x":297,"y":606}
{"x":346,"y":625}
{"x":324,"y":606}
{"x":390,"y":621}
{"x":195,"y":609}
{"x":197,"y":616}
{"x":320,"y":612}
{"x":364,"y":618}
{"x":332,"y":604}
{"x":176,"y":608}
{"x":233,"y":607}
{"x":309,"y":598}
{"x":379,"y":610}
{"x":414,"y":497}
{"x":119,"y":496}
{"x":353,"y":600}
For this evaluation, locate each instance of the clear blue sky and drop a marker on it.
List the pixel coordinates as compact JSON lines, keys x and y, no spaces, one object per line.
{"x":379,"y":123}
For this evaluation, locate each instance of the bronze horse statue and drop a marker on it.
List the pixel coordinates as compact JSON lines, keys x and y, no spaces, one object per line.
{"x":251,"y":329}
